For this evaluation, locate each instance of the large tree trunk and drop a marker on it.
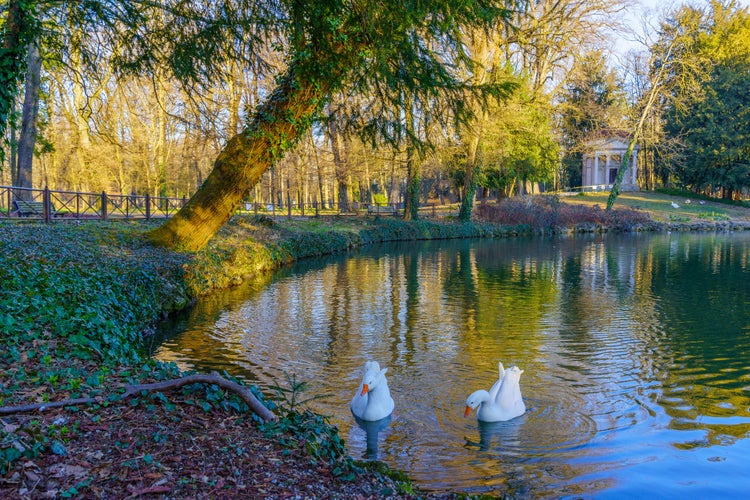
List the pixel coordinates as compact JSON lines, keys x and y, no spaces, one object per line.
{"x":18,"y":32}
{"x":470,"y":184}
{"x":340,"y":162}
{"x":13,"y":149}
{"x":411,"y":208}
{"x":276,"y":126}
{"x":28,"y":120}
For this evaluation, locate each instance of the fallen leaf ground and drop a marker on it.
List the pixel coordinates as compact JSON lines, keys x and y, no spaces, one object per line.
{"x":167,"y":445}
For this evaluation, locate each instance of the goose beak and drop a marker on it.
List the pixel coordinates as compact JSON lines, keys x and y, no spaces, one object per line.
{"x":364,"y":389}
{"x":467,"y":411}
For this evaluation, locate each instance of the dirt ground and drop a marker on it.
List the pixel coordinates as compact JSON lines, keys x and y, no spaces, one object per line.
{"x":167,"y":447}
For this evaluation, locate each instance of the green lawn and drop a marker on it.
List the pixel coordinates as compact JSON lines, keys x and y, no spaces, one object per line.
{"x":660,"y":206}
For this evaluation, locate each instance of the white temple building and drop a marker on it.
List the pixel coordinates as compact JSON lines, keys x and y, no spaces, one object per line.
{"x":602,"y":161}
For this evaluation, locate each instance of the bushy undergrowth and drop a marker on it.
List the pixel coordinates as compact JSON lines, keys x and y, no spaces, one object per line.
{"x":97,"y":285}
{"x":547,"y":213}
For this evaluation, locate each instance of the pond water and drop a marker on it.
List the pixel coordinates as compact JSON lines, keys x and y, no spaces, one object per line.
{"x":635,"y":350}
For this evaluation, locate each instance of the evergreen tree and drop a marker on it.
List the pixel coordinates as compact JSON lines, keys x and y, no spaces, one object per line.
{"x":708,"y":110}
{"x":593,"y":102}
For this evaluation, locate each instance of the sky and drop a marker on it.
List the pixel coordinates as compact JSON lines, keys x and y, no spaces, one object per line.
{"x":650,"y":10}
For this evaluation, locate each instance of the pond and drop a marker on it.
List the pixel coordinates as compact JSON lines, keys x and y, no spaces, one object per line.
{"x":635,"y":350}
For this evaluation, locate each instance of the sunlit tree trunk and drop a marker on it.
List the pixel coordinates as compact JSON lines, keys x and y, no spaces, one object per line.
{"x":28,"y":120}
{"x":483,"y":50}
{"x":275,"y":127}
{"x":656,"y":90}
{"x":340,"y":163}
{"x":162,"y":146}
{"x":13,"y":148}
{"x":318,"y":172}
{"x":411,"y":208}
{"x":29,"y":115}
{"x":470,"y":184}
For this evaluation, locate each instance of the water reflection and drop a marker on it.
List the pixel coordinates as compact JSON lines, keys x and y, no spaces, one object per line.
{"x":372,"y":431}
{"x":636,"y":351}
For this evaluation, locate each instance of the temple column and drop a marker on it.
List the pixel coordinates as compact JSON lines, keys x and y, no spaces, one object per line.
{"x":596,"y":168}
{"x":606,"y":171}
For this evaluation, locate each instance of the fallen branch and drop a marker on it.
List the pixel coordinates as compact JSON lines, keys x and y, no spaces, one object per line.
{"x":242,"y":391}
{"x":10,"y":410}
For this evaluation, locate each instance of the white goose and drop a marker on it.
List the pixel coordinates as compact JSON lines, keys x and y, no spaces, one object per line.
{"x":502,"y":402}
{"x":372,"y":401}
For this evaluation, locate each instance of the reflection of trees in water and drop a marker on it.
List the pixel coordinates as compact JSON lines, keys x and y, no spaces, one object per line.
{"x":648,"y":321}
{"x":704,"y":317}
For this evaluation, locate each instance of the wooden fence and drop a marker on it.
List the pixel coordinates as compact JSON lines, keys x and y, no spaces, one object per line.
{"x":48,"y":205}
{"x":53,"y":205}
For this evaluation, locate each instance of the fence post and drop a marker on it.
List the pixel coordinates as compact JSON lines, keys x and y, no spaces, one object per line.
{"x":148,"y":206}
{"x":104,"y":205}
{"x":46,"y":204}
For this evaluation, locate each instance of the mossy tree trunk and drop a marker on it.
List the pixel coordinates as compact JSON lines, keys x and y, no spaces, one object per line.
{"x":411,"y":208}
{"x":275,"y":128}
{"x":17,"y":33}
{"x":469,"y":189}
{"x":24,"y":167}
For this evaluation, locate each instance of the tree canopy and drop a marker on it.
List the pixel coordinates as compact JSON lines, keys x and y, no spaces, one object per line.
{"x":708,"y":106}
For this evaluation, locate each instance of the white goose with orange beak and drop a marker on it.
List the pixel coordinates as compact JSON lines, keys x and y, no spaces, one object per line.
{"x":372,"y":401}
{"x":502,"y":402}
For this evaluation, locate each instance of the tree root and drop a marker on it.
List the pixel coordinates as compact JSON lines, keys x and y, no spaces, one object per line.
{"x":242,"y":391}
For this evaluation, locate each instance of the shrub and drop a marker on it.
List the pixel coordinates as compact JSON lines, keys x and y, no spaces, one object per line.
{"x":547,"y":213}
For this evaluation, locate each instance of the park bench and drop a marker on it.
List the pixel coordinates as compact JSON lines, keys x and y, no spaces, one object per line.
{"x":382,"y":209}
{"x":31,"y":208}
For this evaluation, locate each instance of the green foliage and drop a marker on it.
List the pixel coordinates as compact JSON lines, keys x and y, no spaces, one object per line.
{"x":301,"y":428}
{"x":29,"y":440}
{"x":17,"y":32}
{"x":380,"y":199}
{"x":403,"y":483}
{"x":262,"y":220}
{"x":95,"y":285}
{"x":519,"y":143}
{"x":708,"y":53}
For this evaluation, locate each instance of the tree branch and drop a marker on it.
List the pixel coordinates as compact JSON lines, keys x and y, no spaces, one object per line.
{"x":242,"y":391}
